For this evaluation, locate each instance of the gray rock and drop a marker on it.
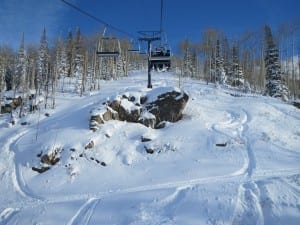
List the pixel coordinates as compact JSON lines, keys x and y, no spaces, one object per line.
{"x":148,"y":110}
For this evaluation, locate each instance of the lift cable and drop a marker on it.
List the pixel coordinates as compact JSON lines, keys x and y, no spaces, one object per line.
{"x":98,"y":19}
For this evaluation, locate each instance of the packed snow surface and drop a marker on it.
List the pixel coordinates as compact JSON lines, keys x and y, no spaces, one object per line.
{"x":234,"y":158}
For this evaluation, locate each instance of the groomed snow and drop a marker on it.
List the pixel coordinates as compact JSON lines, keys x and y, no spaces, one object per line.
{"x":234,"y":158}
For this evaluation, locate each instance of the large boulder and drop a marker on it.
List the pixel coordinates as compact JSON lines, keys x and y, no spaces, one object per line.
{"x":168,"y":106}
{"x":102,"y":114}
{"x":11,"y":104}
{"x":151,"y":108}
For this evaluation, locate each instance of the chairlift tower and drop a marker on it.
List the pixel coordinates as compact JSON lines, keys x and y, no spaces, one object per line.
{"x":149,"y":37}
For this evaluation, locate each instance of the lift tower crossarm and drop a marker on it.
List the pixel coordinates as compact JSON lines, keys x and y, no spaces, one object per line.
{"x":149,"y":36}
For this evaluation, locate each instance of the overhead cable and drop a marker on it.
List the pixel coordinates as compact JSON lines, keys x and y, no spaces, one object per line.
{"x":98,"y":19}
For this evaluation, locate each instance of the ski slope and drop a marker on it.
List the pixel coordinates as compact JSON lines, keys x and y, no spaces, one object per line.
{"x":234,"y":158}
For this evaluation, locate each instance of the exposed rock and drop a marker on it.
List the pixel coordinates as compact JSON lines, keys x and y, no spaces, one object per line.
{"x":145,"y":139}
{"x":148,"y":119}
{"x":126,"y":110}
{"x":161,"y":125}
{"x":221,"y":144}
{"x":100,"y":115}
{"x":9,"y":107}
{"x":168,"y":106}
{"x":149,"y":150}
{"x":90,"y":145}
{"x":51,"y":159}
{"x":296,"y":104}
{"x":152,"y":109}
{"x":40,"y":170}
{"x":39,"y":154}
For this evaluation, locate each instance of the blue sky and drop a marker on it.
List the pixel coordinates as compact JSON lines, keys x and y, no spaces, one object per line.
{"x":182,"y":18}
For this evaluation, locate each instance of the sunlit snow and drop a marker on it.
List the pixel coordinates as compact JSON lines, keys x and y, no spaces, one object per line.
{"x":234,"y":158}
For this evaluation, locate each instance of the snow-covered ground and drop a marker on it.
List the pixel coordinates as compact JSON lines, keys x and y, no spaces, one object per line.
{"x":234,"y":158}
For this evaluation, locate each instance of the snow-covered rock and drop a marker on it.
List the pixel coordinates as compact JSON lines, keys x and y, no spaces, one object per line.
{"x":151,"y":108}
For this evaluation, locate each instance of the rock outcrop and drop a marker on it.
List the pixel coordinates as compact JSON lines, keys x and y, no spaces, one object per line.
{"x":11,"y":105}
{"x":151,"y":108}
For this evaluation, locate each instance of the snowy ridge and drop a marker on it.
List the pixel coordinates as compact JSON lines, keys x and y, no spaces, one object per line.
{"x":230,"y":160}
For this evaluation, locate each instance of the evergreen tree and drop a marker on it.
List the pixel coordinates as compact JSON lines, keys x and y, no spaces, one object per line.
{"x":235,"y":74}
{"x":188,"y":65}
{"x":43,"y":64}
{"x":218,"y":71}
{"x":275,"y":82}
{"x":32,"y":58}
{"x":70,"y":55}
{"x":20,"y":70}
{"x":61,"y":60}
{"x":79,"y":63}
{"x":189,"y":61}
{"x":2,"y":78}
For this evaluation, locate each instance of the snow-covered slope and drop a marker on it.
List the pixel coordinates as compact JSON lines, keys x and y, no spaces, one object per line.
{"x":234,"y":158}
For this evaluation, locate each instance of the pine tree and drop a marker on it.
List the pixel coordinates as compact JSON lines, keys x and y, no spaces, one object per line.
{"x":61,"y":60}
{"x":70,"y":55}
{"x":79,"y":63}
{"x":32,"y":58}
{"x":235,"y":75}
{"x":188,"y":64}
{"x":43,"y":64}
{"x":218,"y":71}
{"x":275,"y":82}
{"x":2,"y":78}
{"x":20,"y":70}
{"x":189,"y":60}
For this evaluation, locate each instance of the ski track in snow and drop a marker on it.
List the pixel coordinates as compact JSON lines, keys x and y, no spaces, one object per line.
{"x":7,"y":214}
{"x":248,"y":208}
{"x":16,"y":175}
{"x":84,"y":214}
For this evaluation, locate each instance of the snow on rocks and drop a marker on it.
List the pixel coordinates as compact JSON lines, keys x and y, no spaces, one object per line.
{"x":150,"y":108}
{"x":187,"y":179}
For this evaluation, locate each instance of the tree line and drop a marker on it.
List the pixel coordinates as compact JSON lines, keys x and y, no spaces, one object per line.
{"x":251,"y":61}
{"x":36,"y":70}
{"x":257,"y":61}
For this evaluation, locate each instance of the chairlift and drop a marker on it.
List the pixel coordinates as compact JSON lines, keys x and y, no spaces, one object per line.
{"x":109,"y":47}
{"x":160,"y":58}
{"x":135,"y":48}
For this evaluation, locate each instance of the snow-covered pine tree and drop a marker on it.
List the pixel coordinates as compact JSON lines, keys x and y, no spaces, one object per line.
{"x":121,"y":64}
{"x":187,"y":62}
{"x":10,"y":60}
{"x":226,"y":54}
{"x":189,"y":67}
{"x":2,"y":78}
{"x":60,"y":60}
{"x":275,"y":82}
{"x":20,"y":70}
{"x":218,"y":71}
{"x":43,"y":64}
{"x":32,"y":56}
{"x":236,"y":75}
{"x":79,"y":63}
{"x":70,"y":55}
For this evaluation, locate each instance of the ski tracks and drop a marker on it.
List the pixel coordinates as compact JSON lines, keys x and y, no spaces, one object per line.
{"x":7,"y":214}
{"x":84,"y":214}
{"x":248,"y":209}
{"x":13,"y":168}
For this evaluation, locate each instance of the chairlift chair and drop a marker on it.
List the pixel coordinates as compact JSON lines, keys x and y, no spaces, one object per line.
{"x":160,"y":58}
{"x":109,"y":47}
{"x":134,"y":48}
